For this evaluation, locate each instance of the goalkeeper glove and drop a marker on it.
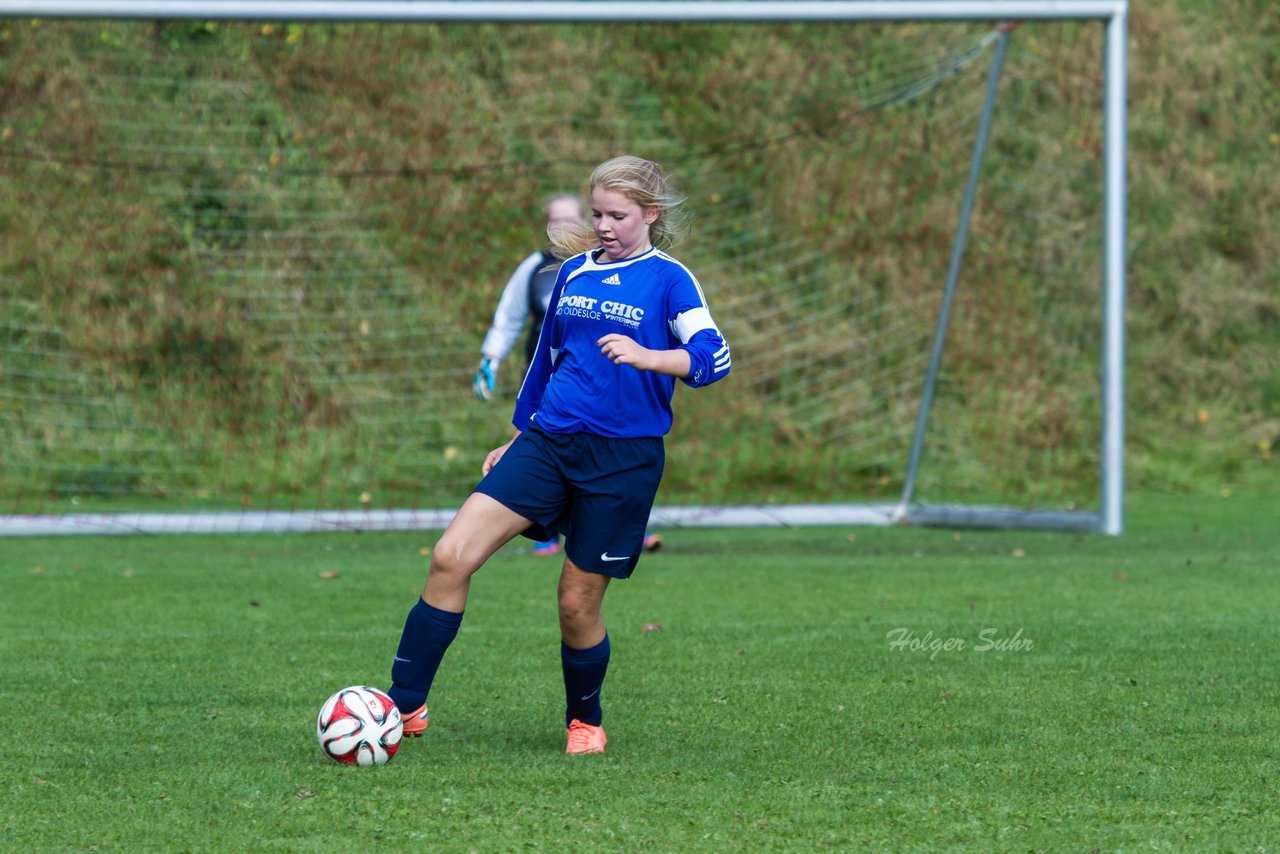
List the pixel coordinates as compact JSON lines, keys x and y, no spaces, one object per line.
{"x":486,"y":378}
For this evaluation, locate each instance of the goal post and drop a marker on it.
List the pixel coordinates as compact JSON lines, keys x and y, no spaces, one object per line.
{"x":280,"y":230}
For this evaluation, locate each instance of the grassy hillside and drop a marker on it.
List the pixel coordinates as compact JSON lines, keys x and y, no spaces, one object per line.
{"x":410,"y":147}
{"x":1204,"y":307}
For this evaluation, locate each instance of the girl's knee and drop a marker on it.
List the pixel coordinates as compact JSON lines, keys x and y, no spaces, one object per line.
{"x":574,"y":610}
{"x":449,"y":557}
{"x":578,"y":607}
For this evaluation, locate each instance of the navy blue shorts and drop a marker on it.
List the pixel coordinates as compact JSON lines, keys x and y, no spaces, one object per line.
{"x":596,"y":491}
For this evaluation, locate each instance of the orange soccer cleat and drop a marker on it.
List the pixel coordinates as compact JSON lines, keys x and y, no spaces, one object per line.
{"x":585,"y":738}
{"x":415,"y":723}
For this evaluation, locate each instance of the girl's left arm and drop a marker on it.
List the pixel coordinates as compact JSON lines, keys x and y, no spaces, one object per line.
{"x":701,"y":357}
{"x":624,"y":350}
{"x":701,"y":339}
{"x":709,"y":358}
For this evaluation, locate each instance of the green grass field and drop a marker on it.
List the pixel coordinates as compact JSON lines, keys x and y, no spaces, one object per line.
{"x":160,"y":693}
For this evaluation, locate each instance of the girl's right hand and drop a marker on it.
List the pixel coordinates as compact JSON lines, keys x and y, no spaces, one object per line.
{"x":496,"y":454}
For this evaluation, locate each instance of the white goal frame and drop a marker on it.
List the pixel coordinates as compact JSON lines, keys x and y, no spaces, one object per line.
{"x":1108,"y":519}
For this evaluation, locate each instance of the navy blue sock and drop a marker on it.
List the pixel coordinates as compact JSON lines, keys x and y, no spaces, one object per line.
{"x":584,"y":671}
{"x":427,"y":634}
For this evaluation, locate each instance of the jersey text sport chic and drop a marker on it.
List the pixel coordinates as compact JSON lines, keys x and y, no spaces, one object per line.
{"x":652,"y":298}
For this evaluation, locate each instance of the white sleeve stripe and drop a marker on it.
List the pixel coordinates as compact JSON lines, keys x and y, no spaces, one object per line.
{"x":691,"y":322}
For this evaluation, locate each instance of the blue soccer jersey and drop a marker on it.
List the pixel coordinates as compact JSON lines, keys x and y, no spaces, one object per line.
{"x":652,"y":298}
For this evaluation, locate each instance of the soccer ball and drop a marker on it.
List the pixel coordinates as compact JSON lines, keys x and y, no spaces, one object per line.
{"x":359,"y":726}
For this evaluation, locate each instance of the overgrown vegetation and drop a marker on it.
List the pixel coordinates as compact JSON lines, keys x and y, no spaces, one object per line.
{"x":414,"y":155}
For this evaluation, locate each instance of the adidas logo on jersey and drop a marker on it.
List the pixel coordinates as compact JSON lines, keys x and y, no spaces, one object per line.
{"x":612,"y":280}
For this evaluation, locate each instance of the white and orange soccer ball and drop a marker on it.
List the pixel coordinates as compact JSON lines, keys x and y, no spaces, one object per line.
{"x":359,"y":725}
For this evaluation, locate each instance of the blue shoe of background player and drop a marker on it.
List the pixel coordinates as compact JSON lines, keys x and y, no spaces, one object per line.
{"x":548,"y":548}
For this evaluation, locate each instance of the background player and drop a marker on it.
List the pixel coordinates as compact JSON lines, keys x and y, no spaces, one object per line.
{"x":525,"y":297}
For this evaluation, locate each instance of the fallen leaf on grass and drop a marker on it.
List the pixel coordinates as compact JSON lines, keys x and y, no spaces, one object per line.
{"x":329,"y":573}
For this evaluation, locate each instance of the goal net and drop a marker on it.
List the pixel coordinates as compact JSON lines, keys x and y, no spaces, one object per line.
{"x":247,"y":267}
